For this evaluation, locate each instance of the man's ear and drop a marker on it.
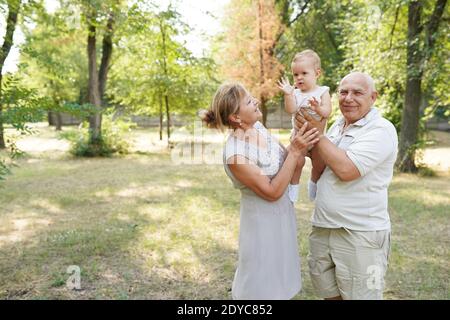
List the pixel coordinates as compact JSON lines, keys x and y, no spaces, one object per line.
{"x":374,"y":96}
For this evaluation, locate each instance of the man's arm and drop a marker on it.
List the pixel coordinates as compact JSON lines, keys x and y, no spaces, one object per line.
{"x":327,"y":154}
{"x":336,"y":159}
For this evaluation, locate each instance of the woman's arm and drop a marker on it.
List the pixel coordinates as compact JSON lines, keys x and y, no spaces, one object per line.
{"x":318,"y":166}
{"x":300,"y":163}
{"x":272,"y":189}
{"x":253,"y":177}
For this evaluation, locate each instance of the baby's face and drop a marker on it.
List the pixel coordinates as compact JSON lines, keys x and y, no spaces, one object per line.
{"x":305,"y":74}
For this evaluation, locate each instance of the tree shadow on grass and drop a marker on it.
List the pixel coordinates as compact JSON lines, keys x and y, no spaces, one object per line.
{"x":143,"y":229}
{"x":114,"y":249}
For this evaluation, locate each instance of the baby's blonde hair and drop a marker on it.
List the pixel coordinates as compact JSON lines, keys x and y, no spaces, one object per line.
{"x":308,"y":54}
{"x":226,"y":102}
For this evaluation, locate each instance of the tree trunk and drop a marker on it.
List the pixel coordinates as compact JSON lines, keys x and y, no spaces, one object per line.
{"x":414,"y":72}
{"x":11,"y":21}
{"x":58,"y":124}
{"x":416,"y":59}
{"x":261,"y":65}
{"x":166,"y":98}
{"x":161,"y":116}
{"x":49,"y":118}
{"x":93,"y":89}
{"x":106,"y":57}
{"x":166,"y":74}
{"x":264,"y":110}
{"x":2,"y":130}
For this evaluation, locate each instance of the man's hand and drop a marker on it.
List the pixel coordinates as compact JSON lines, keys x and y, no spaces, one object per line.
{"x":303,"y":117}
{"x":285,"y":86}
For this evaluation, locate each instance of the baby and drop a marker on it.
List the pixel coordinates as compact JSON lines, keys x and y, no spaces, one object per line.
{"x":309,"y":96}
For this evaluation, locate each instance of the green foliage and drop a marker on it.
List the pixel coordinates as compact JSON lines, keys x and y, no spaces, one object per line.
{"x":4,"y":169}
{"x":425,"y":171}
{"x":149,"y":66}
{"x":112,"y":140}
{"x":53,"y":61}
{"x":319,"y":28}
{"x":7,"y":161}
{"x":81,"y":111}
{"x":368,"y":36}
{"x":19,"y":106}
{"x":382,"y":54}
{"x":374,"y":36}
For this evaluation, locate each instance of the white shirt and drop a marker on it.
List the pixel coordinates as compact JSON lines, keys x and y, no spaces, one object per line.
{"x":302,"y":99}
{"x":362,"y":204}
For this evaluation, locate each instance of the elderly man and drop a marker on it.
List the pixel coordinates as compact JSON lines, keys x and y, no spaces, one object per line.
{"x":350,"y":239}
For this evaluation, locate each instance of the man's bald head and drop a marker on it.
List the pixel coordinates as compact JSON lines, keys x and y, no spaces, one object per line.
{"x":360,"y":76}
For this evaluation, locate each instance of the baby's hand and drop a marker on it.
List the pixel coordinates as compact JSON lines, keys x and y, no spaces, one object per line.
{"x":285,"y":86}
{"x":314,"y":103}
{"x":316,"y":107}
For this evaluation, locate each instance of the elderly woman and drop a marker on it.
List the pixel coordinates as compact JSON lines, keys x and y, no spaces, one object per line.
{"x":261,"y":168}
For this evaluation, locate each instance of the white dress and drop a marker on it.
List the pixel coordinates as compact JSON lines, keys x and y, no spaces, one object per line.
{"x":269,"y":261}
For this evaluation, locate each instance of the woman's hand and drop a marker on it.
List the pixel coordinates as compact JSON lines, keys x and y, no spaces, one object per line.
{"x":303,"y":140}
{"x":300,"y":162}
{"x":285,"y":86}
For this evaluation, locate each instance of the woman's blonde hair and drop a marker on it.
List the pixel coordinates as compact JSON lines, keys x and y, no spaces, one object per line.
{"x":226,"y":102}
{"x":308,"y":53}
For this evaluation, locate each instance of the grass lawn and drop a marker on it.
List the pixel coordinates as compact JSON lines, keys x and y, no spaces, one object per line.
{"x":144,"y":227}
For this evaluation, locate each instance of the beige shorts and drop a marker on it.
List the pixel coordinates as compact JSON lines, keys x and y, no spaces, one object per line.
{"x":348,"y":263}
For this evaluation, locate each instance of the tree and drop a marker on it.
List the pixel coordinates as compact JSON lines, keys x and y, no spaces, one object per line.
{"x":18,"y":105}
{"x":315,"y":25}
{"x":94,"y":13}
{"x":375,"y":40}
{"x":255,"y":43}
{"x":372,"y":36}
{"x":418,"y":54}
{"x":52,"y":60}
{"x":13,"y":7}
{"x":252,"y":29}
{"x":154,"y":73}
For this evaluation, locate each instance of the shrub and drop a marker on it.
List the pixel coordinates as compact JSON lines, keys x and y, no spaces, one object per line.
{"x":111,"y":141}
